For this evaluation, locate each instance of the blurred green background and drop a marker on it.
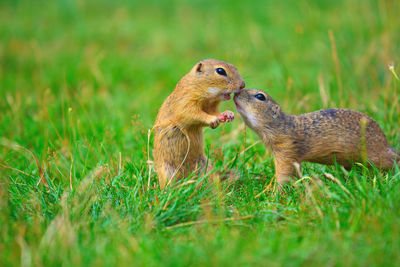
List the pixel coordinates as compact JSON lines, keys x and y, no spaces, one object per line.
{"x":81,"y":83}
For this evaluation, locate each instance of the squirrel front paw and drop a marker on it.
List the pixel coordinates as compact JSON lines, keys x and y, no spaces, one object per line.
{"x":214,"y":123}
{"x":226,"y":116}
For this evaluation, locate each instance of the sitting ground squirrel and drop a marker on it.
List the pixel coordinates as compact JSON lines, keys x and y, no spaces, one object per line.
{"x":178,"y":135}
{"x":323,"y":136}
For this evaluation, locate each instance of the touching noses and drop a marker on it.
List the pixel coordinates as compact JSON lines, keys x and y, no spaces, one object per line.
{"x":242,"y":85}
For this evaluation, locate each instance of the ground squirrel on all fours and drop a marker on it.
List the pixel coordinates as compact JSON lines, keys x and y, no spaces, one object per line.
{"x":323,"y":136}
{"x":178,"y":135}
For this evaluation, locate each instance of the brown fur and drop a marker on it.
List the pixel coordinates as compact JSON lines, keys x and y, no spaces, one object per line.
{"x":178,"y":135}
{"x":322,"y":136}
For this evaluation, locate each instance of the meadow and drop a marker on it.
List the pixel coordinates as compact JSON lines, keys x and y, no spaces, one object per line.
{"x":80,"y":86}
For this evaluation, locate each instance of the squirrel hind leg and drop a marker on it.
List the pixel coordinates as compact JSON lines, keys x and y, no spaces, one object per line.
{"x":398,"y":156}
{"x":165,"y":174}
{"x":389,"y":158}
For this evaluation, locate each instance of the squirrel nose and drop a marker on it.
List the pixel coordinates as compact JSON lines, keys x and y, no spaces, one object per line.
{"x":242,"y":85}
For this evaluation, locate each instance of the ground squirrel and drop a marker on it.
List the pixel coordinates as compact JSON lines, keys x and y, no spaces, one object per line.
{"x":322,"y":136}
{"x":178,"y":135}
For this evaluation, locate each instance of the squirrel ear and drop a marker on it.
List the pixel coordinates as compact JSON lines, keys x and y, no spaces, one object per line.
{"x":199,"y":67}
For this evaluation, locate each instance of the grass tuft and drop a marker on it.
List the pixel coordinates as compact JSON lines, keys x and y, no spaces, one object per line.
{"x":80,"y":86}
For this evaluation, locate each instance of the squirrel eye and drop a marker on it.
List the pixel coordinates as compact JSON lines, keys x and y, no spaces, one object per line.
{"x":220,"y":71}
{"x":260,"y":97}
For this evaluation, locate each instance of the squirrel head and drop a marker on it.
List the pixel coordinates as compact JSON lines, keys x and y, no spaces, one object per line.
{"x":257,"y":108}
{"x":215,"y":79}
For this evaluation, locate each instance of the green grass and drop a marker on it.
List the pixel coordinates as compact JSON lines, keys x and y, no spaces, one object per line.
{"x":81,"y":83}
